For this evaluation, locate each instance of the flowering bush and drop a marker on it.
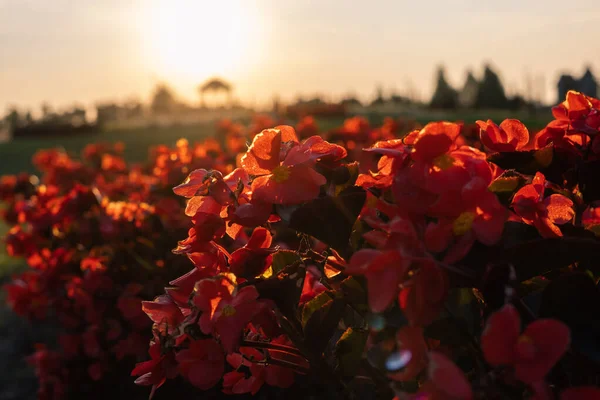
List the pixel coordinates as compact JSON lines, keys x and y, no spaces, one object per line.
{"x":361,"y":263}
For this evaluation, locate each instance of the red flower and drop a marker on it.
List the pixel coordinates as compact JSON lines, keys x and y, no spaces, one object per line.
{"x":446,"y":380}
{"x":261,"y":371}
{"x":225,"y":310}
{"x":580,"y":110}
{"x":591,"y":217}
{"x":184,"y":285}
{"x":163,"y":309}
{"x":202,"y":364}
{"x":423,"y":297}
{"x":410,"y":339}
{"x":207,"y":227}
{"x":284,"y":169}
{"x":434,"y":140}
{"x":480,"y":218}
{"x":543,"y":213}
{"x":235,"y":382}
{"x":532,"y":353}
{"x":384,"y":270}
{"x":312,"y":286}
{"x":255,"y":257}
{"x":511,"y":135}
{"x":155,"y":371}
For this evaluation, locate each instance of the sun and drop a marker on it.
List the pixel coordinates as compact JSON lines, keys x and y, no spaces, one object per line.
{"x":194,"y":39}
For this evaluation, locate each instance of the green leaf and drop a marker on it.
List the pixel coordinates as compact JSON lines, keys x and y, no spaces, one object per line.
{"x":349,"y":351}
{"x":348,"y":178}
{"x":283,"y":258}
{"x":506,"y":184}
{"x":527,"y":162}
{"x":330,"y":219}
{"x":595,"y":229}
{"x":320,"y":318}
{"x":313,"y":305}
{"x":355,"y":293}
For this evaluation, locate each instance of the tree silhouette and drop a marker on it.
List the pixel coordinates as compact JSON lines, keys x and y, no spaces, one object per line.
{"x":468,"y":95}
{"x":491,"y":92}
{"x":163,"y":100}
{"x":445,"y":96}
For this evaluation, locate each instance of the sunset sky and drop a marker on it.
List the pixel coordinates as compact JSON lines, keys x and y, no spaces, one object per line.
{"x":67,"y":51}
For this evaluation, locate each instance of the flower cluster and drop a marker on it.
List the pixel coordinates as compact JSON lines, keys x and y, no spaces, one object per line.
{"x":96,"y":235}
{"x":435,"y":262}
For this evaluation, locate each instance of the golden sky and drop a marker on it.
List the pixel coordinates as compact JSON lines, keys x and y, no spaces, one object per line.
{"x":67,"y":51}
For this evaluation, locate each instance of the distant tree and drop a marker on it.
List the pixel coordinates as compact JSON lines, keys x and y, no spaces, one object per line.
{"x":516,"y":103}
{"x":28,"y":118}
{"x":133,"y":108}
{"x":379,"y":98}
{"x":13,"y":118}
{"x":351,"y":101}
{"x":445,"y":96}
{"x":491,"y":92}
{"x":47,"y":111}
{"x":163,"y":100}
{"x":468,"y":95}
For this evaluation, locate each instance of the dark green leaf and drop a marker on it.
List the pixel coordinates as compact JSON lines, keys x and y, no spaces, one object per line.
{"x":349,"y":351}
{"x":330,"y":219}
{"x":283,"y":258}
{"x":313,"y":305}
{"x":320,"y":318}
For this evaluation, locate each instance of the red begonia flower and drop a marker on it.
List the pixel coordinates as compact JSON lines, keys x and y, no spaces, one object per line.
{"x":543,"y":213}
{"x":312,"y":286}
{"x":410,"y":338}
{"x":202,"y":364}
{"x":481,"y":217}
{"x":532,"y":353}
{"x":511,"y":135}
{"x":235,"y":382}
{"x":575,"y":107}
{"x":446,"y":380}
{"x":423,"y":298}
{"x":207,"y":227}
{"x":284,"y":169}
{"x":155,"y":371}
{"x":434,"y":140}
{"x":384,"y":270}
{"x":255,"y":257}
{"x":226,"y":310}
{"x":163,"y":309}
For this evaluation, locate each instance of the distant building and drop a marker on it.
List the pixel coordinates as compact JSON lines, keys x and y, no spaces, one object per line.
{"x":587,"y":84}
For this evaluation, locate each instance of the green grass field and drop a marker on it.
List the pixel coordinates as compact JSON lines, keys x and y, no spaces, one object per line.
{"x":15,"y":156}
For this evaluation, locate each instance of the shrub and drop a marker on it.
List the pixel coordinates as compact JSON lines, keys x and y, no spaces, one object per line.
{"x":428,"y":265}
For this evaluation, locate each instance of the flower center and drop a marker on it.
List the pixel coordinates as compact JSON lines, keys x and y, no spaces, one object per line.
{"x":443,"y":162}
{"x":463,"y":223}
{"x":228,"y":311}
{"x":281,"y":174}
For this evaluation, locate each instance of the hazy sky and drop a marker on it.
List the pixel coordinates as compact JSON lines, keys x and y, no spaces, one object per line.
{"x":63,"y":51}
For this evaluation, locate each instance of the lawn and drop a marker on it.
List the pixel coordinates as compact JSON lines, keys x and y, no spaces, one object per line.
{"x":15,"y":156}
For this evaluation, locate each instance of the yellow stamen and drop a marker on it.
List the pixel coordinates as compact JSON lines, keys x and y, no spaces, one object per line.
{"x":228,"y":311}
{"x":443,"y":162}
{"x":463,"y":223}
{"x":281,"y":174}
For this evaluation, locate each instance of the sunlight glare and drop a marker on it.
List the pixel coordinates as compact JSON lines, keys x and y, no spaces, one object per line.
{"x":197,"y":39}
